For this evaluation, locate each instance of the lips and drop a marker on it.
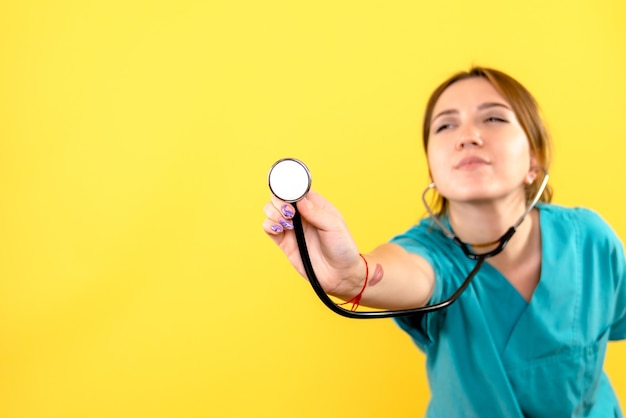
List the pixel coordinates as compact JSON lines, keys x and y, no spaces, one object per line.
{"x":471,"y":162}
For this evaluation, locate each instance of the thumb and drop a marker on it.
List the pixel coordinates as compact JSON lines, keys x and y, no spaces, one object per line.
{"x":319,"y":212}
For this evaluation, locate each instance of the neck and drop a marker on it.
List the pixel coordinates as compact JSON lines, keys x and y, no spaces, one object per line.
{"x":482,"y":224}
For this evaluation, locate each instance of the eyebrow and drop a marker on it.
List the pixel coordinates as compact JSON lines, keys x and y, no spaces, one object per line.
{"x":482,"y":106}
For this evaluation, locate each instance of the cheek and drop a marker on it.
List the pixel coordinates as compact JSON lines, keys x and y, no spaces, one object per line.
{"x":516,"y":160}
{"x":435,"y":167}
{"x":520,"y":151}
{"x":522,"y":145}
{"x":510,"y":142}
{"x":436,"y":157}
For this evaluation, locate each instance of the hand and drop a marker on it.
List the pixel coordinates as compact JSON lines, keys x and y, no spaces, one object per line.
{"x":333,"y":252}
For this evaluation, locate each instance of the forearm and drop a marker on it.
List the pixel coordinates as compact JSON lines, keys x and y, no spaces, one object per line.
{"x":396,"y":279}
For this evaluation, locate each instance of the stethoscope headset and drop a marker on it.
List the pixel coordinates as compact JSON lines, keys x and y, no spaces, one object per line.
{"x":290,"y":180}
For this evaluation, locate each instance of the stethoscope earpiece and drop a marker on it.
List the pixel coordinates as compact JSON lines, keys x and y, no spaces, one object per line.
{"x":289,"y":179}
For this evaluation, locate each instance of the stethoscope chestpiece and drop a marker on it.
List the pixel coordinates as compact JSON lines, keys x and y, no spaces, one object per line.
{"x":289,"y":179}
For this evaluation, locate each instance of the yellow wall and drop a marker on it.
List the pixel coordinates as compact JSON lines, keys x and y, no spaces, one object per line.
{"x":135,"y":140}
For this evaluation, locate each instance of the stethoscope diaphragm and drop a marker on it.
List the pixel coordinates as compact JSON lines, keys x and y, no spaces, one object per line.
{"x":289,"y":179}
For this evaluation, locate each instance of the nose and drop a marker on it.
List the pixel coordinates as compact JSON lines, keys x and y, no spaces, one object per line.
{"x":469,"y":137}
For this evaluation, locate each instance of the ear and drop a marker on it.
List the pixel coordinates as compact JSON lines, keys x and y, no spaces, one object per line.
{"x":531,"y":176}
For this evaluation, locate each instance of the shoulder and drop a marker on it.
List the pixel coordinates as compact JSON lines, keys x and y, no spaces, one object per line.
{"x":566,"y":212}
{"x":427,"y":240}
{"x":583,"y":219}
{"x":586,"y":227}
{"x":426,"y":231}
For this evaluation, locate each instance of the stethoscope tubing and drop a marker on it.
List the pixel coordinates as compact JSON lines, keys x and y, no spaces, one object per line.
{"x":321,"y":294}
{"x":478,"y":257}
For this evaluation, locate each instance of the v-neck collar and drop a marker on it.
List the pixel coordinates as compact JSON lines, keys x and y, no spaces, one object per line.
{"x":496,"y":272}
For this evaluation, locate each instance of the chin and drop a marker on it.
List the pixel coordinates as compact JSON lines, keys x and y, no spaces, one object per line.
{"x":477,"y":195}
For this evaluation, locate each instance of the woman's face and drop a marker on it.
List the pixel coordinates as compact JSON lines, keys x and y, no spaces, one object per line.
{"x":477,"y":150}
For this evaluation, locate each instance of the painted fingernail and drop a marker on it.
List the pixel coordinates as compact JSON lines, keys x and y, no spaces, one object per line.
{"x":277,"y":228}
{"x":286,"y":224}
{"x":287,"y":212}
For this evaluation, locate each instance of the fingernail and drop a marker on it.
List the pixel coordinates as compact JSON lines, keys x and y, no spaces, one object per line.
{"x":286,"y":224}
{"x":277,"y":228}
{"x":287,"y":212}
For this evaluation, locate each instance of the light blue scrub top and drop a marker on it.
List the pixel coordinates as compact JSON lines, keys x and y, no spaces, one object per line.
{"x":492,"y":354}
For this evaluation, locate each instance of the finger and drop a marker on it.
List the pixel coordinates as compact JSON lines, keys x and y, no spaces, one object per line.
{"x":286,"y":210}
{"x":277,"y":220}
{"x":273,"y":228}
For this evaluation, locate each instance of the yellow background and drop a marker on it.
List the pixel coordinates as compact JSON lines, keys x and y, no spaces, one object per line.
{"x":135,"y":140}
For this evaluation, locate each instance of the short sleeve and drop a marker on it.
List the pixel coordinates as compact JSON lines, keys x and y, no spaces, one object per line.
{"x":423,"y":328}
{"x":609,"y":250}
{"x":618,"y":264}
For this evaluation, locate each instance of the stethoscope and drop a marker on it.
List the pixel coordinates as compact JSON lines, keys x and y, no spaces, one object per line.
{"x":290,"y":180}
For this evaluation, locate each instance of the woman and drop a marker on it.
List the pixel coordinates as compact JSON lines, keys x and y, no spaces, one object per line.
{"x":529,"y":335}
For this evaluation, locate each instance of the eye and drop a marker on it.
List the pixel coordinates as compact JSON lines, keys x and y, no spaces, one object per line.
{"x":496,"y":119}
{"x":443,"y":127}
